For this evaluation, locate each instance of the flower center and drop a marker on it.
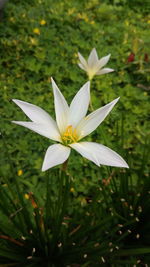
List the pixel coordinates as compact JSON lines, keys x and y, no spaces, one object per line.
{"x":69,"y":136}
{"x":91,"y":71}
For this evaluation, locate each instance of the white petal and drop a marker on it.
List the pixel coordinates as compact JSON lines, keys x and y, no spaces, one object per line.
{"x":84,"y":151}
{"x":61,"y":108}
{"x":104,"y":71}
{"x":82,"y":60}
{"x":79,"y":105}
{"x":49,"y":131}
{"x":93,"y":58}
{"x":55,"y":155}
{"x":93,"y":120}
{"x":82,"y":66}
{"x":34,"y":112}
{"x":102,"y":154}
{"x":103,"y":61}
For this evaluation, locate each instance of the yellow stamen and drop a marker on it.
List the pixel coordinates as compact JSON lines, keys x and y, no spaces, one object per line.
{"x":69,"y":136}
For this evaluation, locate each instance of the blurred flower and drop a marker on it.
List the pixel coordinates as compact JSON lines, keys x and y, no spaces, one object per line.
{"x":26,"y":196}
{"x":12,"y":19}
{"x":106,"y":181}
{"x":33,"y":202}
{"x":71,"y":11}
{"x":83,"y":201}
{"x":33,"y":41}
{"x":24,"y":15}
{"x":146,"y":59}
{"x":42,"y":22}
{"x":83,"y":16}
{"x":70,"y":127}
{"x":72,"y":190}
{"x":20,"y":172}
{"x":36,"y":31}
{"x":126,"y":22}
{"x":94,"y":66}
{"x":5,"y":185}
{"x":131,"y":57}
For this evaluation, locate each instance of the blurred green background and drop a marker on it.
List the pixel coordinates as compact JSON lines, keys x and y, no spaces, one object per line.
{"x":40,"y":39}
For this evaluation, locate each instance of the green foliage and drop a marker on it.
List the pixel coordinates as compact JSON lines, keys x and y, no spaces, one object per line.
{"x":40,"y":39}
{"x":29,"y":58}
{"x":108,"y":225}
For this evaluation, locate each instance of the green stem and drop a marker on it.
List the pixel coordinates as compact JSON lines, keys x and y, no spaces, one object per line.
{"x":64,"y":166}
{"x":91,"y":106}
{"x":62,"y":203}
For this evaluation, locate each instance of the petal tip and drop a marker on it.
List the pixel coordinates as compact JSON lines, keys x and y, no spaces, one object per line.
{"x":54,"y":85}
{"x":43,"y":169}
{"x":52,"y":80}
{"x":15,"y":100}
{"x":123,"y":164}
{"x":111,"y":70}
{"x":126,"y":165}
{"x":116,"y":100}
{"x":13,"y":122}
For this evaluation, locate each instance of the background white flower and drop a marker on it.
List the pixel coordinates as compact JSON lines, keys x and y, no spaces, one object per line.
{"x":70,"y":127}
{"x":94,"y":66}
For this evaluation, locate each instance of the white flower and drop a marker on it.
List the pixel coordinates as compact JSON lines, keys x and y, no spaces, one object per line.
{"x":94,"y":66}
{"x":70,"y":127}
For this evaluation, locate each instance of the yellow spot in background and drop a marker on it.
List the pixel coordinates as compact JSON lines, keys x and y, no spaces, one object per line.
{"x":148,"y":21}
{"x":92,"y":22}
{"x":23,"y":15}
{"x":42,"y":22}
{"x":18,"y":75}
{"x":26,"y":196}
{"x":75,"y":55}
{"x":15,"y":42}
{"x":126,"y":22}
{"x":12,"y":19}
{"x":5,"y":185}
{"x":33,"y":41}
{"x":20,"y":172}
{"x":72,"y":190}
{"x":135,"y":45}
{"x":83,"y":16}
{"x":83,"y":202}
{"x":36,"y":31}
{"x":71,"y":11}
